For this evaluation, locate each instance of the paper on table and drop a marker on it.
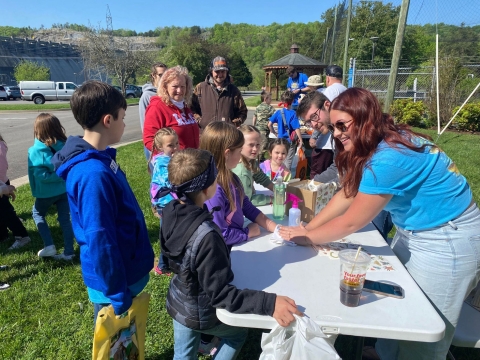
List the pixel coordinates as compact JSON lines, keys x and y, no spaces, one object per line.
{"x":277,"y":239}
{"x":331,"y":249}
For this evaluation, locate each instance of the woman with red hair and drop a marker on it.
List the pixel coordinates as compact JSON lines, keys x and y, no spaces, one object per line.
{"x":388,"y":166}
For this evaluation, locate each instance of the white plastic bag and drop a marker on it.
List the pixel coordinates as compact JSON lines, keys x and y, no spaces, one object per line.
{"x":307,"y":342}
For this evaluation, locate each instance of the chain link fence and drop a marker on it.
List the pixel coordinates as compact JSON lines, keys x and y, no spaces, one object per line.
{"x":458,"y":78}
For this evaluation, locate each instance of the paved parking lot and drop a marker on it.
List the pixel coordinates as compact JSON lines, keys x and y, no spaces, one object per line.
{"x":20,"y":101}
{"x":16,"y":128}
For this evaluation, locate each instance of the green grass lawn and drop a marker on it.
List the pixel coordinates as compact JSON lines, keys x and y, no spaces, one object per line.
{"x":253,"y":101}
{"x":46,"y":106}
{"x":46,"y":313}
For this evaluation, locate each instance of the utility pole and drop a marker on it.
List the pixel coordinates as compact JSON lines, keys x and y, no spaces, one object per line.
{"x":332,"y":50}
{"x":397,"y":52}
{"x":374,"y":42}
{"x":347,"y":41}
{"x":326,"y":46}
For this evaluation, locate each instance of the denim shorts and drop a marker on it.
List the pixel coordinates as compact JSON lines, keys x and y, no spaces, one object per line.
{"x":445,"y":263}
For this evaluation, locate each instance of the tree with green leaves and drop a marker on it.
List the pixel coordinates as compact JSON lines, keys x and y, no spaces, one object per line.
{"x":31,"y":71}
{"x":196,"y":54}
{"x":191,"y":52}
{"x":239,"y":70}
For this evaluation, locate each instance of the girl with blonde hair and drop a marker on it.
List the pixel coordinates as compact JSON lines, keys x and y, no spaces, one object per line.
{"x":230,"y":203}
{"x":165,"y":144}
{"x":248,"y":170}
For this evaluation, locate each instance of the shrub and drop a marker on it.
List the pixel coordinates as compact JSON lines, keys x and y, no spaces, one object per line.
{"x":406,"y":111}
{"x":468,"y":119}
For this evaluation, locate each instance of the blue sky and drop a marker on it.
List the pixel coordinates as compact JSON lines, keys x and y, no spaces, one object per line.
{"x":141,"y":15}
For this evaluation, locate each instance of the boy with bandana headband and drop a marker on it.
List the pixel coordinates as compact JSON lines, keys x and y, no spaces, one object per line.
{"x":200,"y":260}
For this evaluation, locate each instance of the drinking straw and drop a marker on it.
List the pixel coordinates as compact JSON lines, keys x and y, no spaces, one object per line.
{"x":355,"y":260}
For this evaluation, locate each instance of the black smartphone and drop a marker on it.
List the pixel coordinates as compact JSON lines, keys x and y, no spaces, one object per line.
{"x":381,"y":288}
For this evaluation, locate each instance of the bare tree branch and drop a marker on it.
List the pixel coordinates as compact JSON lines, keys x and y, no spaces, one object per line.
{"x":117,"y":57}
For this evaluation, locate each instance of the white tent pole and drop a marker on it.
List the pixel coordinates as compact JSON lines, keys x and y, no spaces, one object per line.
{"x":437,"y":77}
{"x":460,"y":108}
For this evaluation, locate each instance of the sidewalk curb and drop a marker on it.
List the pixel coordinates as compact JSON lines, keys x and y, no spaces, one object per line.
{"x":24,"y":179}
{"x":253,"y":108}
{"x":43,"y":110}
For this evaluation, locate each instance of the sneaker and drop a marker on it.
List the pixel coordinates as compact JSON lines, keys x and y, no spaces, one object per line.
{"x":19,"y":242}
{"x":4,"y":286}
{"x":47,"y":251}
{"x":64,"y":257}
{"x":163,"y":271}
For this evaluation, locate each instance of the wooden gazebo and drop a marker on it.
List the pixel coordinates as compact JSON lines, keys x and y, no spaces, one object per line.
{"x":303,"y":64}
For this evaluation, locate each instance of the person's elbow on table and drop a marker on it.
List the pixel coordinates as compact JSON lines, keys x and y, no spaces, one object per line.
{"x":284,"y":310}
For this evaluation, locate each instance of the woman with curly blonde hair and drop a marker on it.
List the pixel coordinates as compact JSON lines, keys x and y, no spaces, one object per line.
{"x":171,"y":109}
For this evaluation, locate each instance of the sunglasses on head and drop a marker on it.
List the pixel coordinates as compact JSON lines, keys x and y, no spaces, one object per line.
{"x":339,"y":125}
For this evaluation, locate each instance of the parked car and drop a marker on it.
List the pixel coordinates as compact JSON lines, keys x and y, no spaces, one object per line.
{"x":13,"y":92}
{"x":3,"y":94}
{"x":40,"y":91}
{"x":130,"y":91}
{"x":137,"y":89}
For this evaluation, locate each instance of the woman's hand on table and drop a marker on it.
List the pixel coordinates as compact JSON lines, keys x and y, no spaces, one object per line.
{"x":296,"y":234}
{"x":253,"y":230}
{"x":284,"y":310}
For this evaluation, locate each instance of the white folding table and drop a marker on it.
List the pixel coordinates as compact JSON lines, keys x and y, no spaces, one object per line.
{"x":313,"y":282}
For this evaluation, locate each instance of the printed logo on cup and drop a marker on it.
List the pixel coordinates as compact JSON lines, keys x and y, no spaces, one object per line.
{"x":353,"y":278}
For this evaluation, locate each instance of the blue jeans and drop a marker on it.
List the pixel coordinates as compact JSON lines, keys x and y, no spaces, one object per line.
{"x":39,"y":212}
{"x":162,"y":259}
{"x":188,"y":340}
{"x":148,"y":153}
{"x":383,"y":223}
{"x":445,"y":263}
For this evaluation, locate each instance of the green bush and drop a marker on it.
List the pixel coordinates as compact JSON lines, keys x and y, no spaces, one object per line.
{"x":406,"y":111}
{"x":468,"y":119}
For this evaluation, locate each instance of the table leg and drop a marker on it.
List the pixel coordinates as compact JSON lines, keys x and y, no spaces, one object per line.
{"x":349,"y":347}
{"x":359,"y":347}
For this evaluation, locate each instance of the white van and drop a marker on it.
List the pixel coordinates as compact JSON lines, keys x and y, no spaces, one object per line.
{"x":41,"y":91}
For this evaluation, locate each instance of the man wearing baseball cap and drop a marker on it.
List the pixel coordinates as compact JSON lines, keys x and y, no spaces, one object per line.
{"x":333,"y":79}
{"x":217,"y":99}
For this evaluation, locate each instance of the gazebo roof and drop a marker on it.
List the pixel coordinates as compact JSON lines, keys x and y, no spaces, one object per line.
{"x":295,"y":59}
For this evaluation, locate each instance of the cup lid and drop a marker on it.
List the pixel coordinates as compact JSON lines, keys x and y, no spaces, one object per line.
{"x":348,"y":255}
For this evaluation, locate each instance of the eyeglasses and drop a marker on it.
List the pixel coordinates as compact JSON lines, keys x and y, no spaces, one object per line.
{"x":313,"y":118}
{"x":339,"y":125}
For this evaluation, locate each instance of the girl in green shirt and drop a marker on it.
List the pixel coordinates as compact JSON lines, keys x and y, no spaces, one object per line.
{"x":248,"y":170}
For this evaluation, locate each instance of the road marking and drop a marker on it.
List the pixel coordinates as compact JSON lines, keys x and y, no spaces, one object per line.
{"x":13,"y":118}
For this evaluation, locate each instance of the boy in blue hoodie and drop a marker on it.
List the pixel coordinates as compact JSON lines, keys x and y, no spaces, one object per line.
{"x":115,"y":252}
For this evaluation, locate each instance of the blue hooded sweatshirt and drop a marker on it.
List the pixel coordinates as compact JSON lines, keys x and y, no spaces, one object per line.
{"x":109,"y":226}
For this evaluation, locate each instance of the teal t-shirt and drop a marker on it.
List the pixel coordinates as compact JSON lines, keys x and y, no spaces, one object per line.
{"x":427,"y":188}
{"x":97,"y":297}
